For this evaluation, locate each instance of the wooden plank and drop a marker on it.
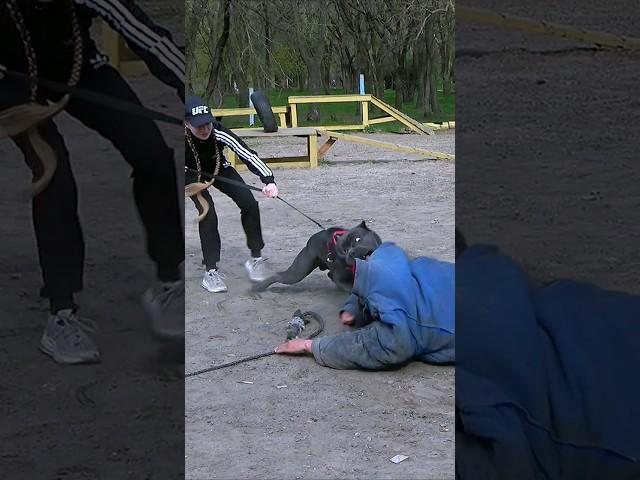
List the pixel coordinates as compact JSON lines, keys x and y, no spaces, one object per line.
{"x":294,"y":116}
{"x":120,"y":56}
{"x":441,"y":126}
{"x":402,"y":117}
{"x":328,"y":98}
{"x":326,"y":146}
{"x":239,"y":164}
{"x":373,"y":121}
{"x":312,"y":146}
{"x":281,"y":162}
{"x":237,"y":112}
{"x":231,"y":156}
{"x":286,"y":132}
{"x":283,"y":119}
{"x":389,"y":146}
{"x":365,"y":114}
{"x":339,"y":127}
{"x":383,"y":107}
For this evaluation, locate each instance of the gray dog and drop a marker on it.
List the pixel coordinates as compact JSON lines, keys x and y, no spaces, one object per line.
{"x":334,"y":249}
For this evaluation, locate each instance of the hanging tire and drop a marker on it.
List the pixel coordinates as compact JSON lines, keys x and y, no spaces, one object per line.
{"x":265,"y":114}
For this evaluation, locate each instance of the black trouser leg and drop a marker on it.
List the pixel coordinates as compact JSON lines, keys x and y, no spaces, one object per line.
{"x":209,"y":235}
{"x":249,"y":211}
{"x":154,"y":174}
{"x":55,"y":218}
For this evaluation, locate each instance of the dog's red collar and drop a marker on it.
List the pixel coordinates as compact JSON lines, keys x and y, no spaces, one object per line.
{"x":332,"y":249}
{"x":331,"y":245}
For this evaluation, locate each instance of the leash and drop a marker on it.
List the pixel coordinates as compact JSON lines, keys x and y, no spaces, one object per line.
{"x":297,"y":323}
{"x":249,"y":187}
{"x":106,"y":101}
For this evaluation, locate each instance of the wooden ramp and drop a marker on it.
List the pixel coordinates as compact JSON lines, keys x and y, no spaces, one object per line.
{"x":334,"y":136}
{"x":402,"y":117}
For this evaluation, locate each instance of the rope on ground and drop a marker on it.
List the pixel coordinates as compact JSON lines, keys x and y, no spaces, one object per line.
{"x":512,"y":22}
{"x":308,"y":314}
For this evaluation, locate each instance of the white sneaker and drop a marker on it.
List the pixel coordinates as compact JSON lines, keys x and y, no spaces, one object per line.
{"x":65,"y":339}
{"x":256,"y":269}
{"x":164,"y":303}
{"x":212,"y":281}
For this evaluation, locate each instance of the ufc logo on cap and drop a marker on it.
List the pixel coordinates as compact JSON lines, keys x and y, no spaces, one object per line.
{"x":199,"y":110}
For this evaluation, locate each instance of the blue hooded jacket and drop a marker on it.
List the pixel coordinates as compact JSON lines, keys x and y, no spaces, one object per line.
{"x":412,"y":303}
{"x":546,"y":376}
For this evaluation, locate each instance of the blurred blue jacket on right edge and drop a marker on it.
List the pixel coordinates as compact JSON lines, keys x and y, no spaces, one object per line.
{"x":547,"y":377}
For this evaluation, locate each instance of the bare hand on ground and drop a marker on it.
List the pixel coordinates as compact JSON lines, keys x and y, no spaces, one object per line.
{"x":347,"y":318}
{"x":294,"y":347}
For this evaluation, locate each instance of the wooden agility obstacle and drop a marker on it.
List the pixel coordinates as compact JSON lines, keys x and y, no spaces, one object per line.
{"x":120,"y":56}
{"x":291,"y":111}
{"x":335,"y":136}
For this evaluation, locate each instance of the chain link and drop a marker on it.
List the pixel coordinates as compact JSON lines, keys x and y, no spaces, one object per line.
{"x":32,"y":64}
{"x":189,"y":138}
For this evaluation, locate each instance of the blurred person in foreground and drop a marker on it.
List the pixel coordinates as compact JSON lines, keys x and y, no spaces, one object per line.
{"x":51,"y":39}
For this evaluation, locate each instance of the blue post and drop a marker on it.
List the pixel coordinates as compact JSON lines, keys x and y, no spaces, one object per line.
{"x":362,"y":84}
{"x":251,"y":116}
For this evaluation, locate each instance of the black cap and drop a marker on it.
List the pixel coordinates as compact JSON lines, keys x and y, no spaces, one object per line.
{"x":197,"y":112}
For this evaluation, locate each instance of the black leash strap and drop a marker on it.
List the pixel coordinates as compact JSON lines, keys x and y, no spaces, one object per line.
{"x":304,"y":215}
{"x":106,"y":101}
{"x":248,"y":187}
{"x":314,"y":315}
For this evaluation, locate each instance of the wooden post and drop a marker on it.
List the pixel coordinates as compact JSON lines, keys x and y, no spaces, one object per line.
{"x":231,"y":156}
{"x":120,"y":57}
{"x":312,"y":145}
{"x":111,"y":45}
{"x":365,"y":114}
{"x":294,"y":116}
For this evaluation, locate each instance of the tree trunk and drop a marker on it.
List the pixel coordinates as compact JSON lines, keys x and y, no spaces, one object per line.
{"x":421,"y":64}
{"x":218,"y":50}
{"x":434,"y":64}
{"x":270,"y":80}
{"x":315,"y":84}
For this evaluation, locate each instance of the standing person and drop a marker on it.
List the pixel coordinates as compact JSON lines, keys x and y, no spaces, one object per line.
{"x":205,"y":139}
{"x":52,"y":39}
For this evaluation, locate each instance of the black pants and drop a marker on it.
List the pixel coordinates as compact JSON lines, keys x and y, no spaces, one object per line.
{"x":55,"y":217}
{"x":249,"y":214}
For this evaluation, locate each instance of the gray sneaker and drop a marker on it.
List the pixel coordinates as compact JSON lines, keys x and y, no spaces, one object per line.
{"x":65,"y":339}
{"x":212,"y":281}
{"x":256,"y":269}
{"x":164,"y":303}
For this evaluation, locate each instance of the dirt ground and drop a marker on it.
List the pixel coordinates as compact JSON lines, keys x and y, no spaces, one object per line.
{"x":325,"y":423}
{"x":547,"y":144}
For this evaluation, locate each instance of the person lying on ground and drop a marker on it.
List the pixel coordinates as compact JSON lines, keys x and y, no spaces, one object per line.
{"x":404,"y":310}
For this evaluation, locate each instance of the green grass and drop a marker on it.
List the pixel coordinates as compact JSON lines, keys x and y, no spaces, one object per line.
{"x":344,"y":113}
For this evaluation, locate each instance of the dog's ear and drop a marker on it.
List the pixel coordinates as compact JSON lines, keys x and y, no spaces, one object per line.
{"x":362,"y":224}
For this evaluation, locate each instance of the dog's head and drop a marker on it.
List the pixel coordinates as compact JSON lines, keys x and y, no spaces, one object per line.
{"x":358,"y":242}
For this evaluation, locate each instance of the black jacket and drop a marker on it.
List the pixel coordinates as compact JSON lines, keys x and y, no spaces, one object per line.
{"x":224,"y":137}
{"x":49,"y":27}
